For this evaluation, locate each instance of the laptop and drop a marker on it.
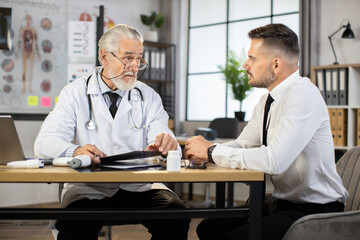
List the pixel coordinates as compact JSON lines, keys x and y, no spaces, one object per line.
{"x":10,"y":146}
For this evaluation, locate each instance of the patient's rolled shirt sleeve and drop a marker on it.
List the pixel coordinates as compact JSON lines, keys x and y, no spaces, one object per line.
{"x":229,"y":157}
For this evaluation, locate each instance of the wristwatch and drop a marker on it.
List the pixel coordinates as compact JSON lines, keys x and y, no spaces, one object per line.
{"x":209,"y":153}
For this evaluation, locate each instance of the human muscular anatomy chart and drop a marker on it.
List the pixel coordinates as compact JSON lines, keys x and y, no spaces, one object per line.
{"x":29,"y":48}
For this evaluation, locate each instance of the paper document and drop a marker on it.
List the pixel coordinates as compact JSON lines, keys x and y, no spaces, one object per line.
{"x":131,"y":164}
{"x":128,"y":156}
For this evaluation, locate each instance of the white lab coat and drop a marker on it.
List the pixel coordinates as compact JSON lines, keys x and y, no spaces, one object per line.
{"x":65,"y":126}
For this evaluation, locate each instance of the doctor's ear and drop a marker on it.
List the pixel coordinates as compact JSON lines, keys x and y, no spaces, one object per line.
{"x":103,"y":56}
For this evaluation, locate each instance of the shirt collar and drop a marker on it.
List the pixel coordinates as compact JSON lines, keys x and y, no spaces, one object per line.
{"x":278,"y":91}
{"x":104,"y":88}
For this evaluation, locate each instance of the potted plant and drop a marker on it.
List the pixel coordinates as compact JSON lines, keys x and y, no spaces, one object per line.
{"x":237,"y":77}
{"x":154,"y":20}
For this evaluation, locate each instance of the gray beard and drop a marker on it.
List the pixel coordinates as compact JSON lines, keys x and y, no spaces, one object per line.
{"x":120,"y":83}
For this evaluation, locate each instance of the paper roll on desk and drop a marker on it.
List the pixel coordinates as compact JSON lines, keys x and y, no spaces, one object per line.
{"x":31,"y":163}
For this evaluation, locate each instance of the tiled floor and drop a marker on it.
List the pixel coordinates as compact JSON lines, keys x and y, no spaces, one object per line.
{"x":37,"y":229}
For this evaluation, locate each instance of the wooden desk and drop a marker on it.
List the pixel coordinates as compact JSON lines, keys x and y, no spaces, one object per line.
{"x":182,"y":140}
{"x":213,"y":173}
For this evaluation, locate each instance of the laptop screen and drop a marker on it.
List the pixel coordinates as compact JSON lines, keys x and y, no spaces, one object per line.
{"x":10,"y":146}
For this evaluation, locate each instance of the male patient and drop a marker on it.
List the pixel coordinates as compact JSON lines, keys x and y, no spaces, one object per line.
{"x":287,"y":137}
{"x":123,"y":123}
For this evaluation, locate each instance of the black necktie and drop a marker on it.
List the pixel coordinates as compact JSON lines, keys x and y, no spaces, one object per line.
{"x":269,"y":100}
{"x":113,"y":98}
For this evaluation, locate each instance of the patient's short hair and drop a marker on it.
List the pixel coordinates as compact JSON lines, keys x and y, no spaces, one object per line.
{"x":277,"y":37}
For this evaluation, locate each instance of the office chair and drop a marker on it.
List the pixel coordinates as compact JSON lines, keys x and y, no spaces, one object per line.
{"x":226,"y":127}
{"x":340,"y":225}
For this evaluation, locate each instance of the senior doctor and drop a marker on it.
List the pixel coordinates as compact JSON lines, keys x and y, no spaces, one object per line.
{"x":107,"y":113}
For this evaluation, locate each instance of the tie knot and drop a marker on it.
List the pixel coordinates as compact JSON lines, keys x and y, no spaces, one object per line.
{"x":113,"y":97}
{"x":269,"y":100}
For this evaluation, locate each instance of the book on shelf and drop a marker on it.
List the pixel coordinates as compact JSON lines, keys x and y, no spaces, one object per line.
{"x":338,"y":125}
{"x":343,"y":86}
{"x":333,"y":125}
{"x":162,"y":69}
{"x":328,"y":86}
{"x":146,"y":57}
{"x":341,"y":127}
{"x":155,"y":65}
{"x":320,"y":82}
{"x":334,"y":86}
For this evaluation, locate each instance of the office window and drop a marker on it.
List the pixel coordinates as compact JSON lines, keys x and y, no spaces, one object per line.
{"x":216,"y":26}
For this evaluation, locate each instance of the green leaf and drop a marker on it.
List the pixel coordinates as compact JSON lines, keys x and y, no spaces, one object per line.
{"x":153,"y":16}
{"x":159,"y":20}
{"x":153,"y":20}
{"x":236,"y":77}
{"x":145,"y":20}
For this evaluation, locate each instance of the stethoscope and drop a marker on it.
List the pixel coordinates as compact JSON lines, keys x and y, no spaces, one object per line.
{"x":91,"y":125}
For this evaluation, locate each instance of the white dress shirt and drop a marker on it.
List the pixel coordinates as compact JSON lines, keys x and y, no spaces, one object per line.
{"x":299,"y":156}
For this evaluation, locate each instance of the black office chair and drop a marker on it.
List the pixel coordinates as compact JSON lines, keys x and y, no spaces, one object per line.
{"x":226,"y":127}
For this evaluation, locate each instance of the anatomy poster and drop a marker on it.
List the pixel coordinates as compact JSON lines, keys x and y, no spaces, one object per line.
{"x":43,"y":58}
{"x":34,"y":71}
{"x":76,"y":71}
{"x":81,"y":36}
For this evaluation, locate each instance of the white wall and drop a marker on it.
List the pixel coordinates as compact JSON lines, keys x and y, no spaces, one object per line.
{"x":331,"y":14}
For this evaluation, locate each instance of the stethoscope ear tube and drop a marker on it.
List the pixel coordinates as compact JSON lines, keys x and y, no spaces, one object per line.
{"x":90,"y":124}
{"x":141,"y":96}
{"x":142,"y":109}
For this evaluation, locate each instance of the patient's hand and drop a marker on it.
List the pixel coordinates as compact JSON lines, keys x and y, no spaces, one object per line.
{"x":196,"y":148}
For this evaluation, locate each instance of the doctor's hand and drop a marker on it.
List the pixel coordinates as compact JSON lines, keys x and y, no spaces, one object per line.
{"x":92,"y":151}
{"x":163,"y":143}
{"x":196,"y":148}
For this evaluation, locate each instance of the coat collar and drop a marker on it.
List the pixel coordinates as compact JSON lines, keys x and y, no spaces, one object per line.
{"x":280,"y":89}
{"x":98,"y":101}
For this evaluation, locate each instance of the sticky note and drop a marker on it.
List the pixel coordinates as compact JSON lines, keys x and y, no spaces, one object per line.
{"x":32,"y":100}
{"x":46,"y":101}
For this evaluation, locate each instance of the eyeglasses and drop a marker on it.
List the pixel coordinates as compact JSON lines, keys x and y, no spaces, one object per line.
{"x":194,"y":165}
{"x":186,"y":163}
{"x":140,"y":64}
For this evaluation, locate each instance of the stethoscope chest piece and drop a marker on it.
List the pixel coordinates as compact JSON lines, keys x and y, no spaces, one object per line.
{"x":90,"y":125}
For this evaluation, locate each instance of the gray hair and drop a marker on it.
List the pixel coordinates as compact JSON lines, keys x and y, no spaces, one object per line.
{"x":110,"y":40}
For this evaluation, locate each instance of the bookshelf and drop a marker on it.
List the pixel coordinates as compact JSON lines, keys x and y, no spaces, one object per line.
{"x":160,"y":74}
{"x":340,"y":87}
